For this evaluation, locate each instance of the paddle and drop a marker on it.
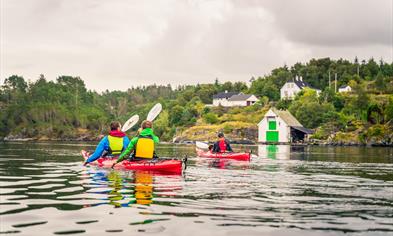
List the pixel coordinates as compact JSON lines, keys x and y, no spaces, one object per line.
{"x":130,"y":123}
{"x":154,"y":112}
{"x":202,"y":145}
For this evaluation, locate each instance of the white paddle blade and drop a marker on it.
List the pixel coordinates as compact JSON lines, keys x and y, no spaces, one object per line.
{"x":153,"y":113}
{"x":202,"y":145}
{"x":130,"y":123}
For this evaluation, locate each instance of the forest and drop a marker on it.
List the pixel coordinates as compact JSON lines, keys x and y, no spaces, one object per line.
{"x":65,"y":109}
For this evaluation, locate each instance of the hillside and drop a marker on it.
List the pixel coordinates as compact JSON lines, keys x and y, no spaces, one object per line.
{"x":65,"y":109}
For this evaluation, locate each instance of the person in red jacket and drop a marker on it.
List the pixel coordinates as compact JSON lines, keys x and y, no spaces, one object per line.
{"x":222,"y":145}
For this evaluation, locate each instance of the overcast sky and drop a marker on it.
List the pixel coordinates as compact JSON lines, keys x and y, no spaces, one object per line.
{"x":117,"y":44}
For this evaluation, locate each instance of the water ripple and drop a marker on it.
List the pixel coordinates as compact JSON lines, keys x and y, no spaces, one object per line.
{"x":304,"y":193}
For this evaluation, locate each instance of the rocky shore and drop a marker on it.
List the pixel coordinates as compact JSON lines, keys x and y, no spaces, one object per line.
{"x":344,"y":143}
{"x":20,"y":138}
{"x":236,"y":136}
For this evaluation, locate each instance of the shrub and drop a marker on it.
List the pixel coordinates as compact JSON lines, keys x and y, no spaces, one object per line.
{"x":210,"y":118}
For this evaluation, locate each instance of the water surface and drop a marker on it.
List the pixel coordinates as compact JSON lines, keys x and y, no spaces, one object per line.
{"x":44,"y":190}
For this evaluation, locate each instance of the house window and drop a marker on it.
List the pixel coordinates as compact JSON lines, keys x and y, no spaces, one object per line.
{"x":272,"y":125}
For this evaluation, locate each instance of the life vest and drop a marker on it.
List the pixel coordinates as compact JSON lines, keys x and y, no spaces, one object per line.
{"x":115,"y":145}
{"x":222,"y":145}
{"x":144,"y":147}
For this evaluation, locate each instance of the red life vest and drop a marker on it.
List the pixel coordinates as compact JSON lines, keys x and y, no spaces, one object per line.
{"x":222,"y":145}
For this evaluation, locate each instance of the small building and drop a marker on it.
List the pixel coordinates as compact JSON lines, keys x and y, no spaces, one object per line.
{"x":280,"y":126}
{"x":291,"y":88}
{"x":232,"y":99}
{"x":221,"y":99}
{"x":242,"y":100}
{"x":345,"y":89}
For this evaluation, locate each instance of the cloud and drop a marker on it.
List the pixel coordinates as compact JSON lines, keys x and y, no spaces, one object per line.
{"x":335,"y":22}
{"x":118,"y":44}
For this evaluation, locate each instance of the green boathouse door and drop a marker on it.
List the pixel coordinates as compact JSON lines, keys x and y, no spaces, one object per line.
{"x":272,"y":134}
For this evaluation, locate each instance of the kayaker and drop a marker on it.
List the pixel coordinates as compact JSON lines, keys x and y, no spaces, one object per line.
{"x":222,"y":145}
{"x":143,"y":145}
{"x":112,"y":144}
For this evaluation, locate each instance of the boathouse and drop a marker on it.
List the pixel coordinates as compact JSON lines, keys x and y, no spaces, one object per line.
{"x":280,"y":126}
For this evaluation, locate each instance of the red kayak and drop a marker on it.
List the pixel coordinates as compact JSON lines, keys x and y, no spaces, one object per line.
{"x":241,"y":156}
{"x":161,"y":165}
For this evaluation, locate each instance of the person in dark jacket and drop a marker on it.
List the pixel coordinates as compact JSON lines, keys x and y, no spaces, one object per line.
{"x":222,"y":145}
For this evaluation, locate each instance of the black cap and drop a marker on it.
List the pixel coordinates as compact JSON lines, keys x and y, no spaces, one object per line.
{"x":220,"y":135}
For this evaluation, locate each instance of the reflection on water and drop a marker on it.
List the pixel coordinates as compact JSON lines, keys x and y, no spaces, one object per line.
{"x":125,"y":188}
{"x":285,"y":190}
{"x":143,"y":188}
{"x":281,"y":152}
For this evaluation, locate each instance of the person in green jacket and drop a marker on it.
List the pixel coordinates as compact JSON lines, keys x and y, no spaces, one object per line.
{"x":143,"y":144}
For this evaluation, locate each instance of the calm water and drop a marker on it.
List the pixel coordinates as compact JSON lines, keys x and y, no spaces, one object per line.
{"x":283,"y":191}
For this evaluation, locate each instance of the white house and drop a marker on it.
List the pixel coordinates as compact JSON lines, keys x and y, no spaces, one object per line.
{"x":232,"y":99}
{"x":279,"y":126}
{"x":345,"y":89}
{"x":222,"y":98}
{"x":242,"y":100}
{"x":291,"y":88}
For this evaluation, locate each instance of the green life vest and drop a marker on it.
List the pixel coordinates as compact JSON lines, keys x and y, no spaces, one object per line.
{"x":115,"y":145}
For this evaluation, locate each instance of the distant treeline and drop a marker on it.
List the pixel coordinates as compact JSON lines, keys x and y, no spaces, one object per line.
{"x":66,"y":109}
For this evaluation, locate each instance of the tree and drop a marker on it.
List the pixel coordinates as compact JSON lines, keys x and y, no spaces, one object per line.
{"x":361,"y":100}
{"x":374,"y":114}
{"x":161,"y":124}
{"x":389,"y":110}
{"x":309,"y":111}
{"x":265,"y":87}
{"x":14,"y":89}
{"x":240,"y":87}
{"x":227,"y":86}
{"x":283,"y":104}
{"x":176,"y":115}
{"x":64,"y":107}
{"x":15,"y":83}
{"x":380,"y":83}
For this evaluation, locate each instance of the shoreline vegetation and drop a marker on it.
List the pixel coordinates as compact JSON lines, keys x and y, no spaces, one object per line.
{"x":241,"y":142}
{"x":65,"y":110}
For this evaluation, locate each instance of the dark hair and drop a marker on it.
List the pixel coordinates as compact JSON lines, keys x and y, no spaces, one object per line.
{"x":146,"y":124}
{"x":220,"y":135}
{"x":115,"y":125}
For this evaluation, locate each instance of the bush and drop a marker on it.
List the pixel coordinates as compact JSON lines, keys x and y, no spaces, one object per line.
{"x":210,"y":118}
{"x":227,"y":129}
